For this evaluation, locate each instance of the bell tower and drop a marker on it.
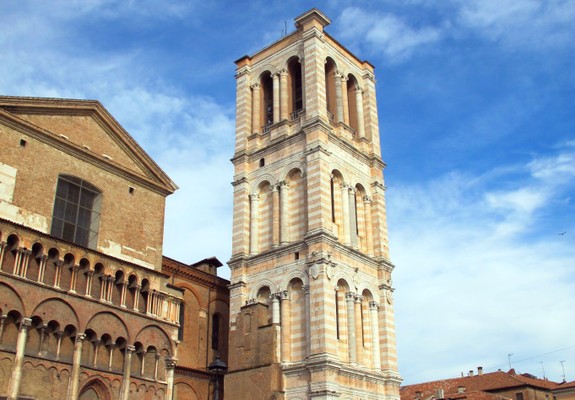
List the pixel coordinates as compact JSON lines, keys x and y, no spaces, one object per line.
{"x":311,"y":305}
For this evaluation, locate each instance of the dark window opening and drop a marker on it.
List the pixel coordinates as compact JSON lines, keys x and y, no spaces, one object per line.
{"x":262,"y":162}
{"x":518,"y":396}
{"x":23,"y":142}
{"x":337,"y":314}
{"x":332,"y":201}
{"x":215,"y":331}
{"x":76,"y":215}
{"x":181,"y":328}
{"x":297,"y":255}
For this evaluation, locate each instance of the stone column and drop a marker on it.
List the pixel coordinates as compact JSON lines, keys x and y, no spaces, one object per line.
{"x":345,"y":212}
{"x":58,"y":266}
{"x":359,"y":113}
{"x":42,"y":269}
{"x":275,"y":308}
{"x":344,"y":100}
{"x":17,"y":258}
{"x":338,"y":97}
{"x":76,"y":360}
{"x":286,"y":326}
{"x":123,"y":295}
{"x":359,"y":329}
{"x":89,"y":279}
{"x":375,"y":354}
{"x":96,"y":344}
{"x":352,"y":217}
{"x":2,"y":251}
{"x":42,"y":337}
{"x":111,"y":359}
{"x":59,"y":335}
{"x":110,"y":287}
{"x":284,"y":96}
{"x":74,"y":278}
{"x":276,"y":215}
{"x":24,"y":260}
{"x":157,"y":360}
{"x":256,"y":120}
{"x":351,"y":339}
{"x":2,"y":323}
{"x":368,"y":225}
{"x":276,"y":89}
{"x":16,"y":379}
{"x":125,"y":389}
{"x":170,"y":367}
{"x":143,"y":365}
{"x":254,"y":222}
{"x":284,"y":213}
{"x":137,"y":297}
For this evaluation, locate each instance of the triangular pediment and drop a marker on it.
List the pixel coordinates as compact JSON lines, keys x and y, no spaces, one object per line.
{"x":86,"y":129}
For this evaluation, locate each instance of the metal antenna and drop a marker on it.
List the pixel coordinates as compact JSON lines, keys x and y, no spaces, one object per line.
{"x":543,"y":368}
{"x":563,"y":368}
{"x":509,"y":359}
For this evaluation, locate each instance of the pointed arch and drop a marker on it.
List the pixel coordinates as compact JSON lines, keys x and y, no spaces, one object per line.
{"x":95,"y":389}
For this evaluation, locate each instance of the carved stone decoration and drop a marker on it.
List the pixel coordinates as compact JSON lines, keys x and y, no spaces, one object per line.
{"x":330,"y":271}
{"x":389,"y":296}
{"x":314,"y":271}
{"x":356,"y":281}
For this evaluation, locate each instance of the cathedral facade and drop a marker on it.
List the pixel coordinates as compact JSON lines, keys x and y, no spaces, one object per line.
{"x":311,"y":306}
{"x":89,"y":307}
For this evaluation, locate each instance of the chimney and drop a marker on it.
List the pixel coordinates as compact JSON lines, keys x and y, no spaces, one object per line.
{"x":461,"y":389}
{"x":470,"y":372}
{"x":479,"y":370}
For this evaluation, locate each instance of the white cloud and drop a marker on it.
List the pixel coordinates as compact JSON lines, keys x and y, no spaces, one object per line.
{"x":385,"y":33}
{"x":529,"y":24}
{"x":473,"y":267}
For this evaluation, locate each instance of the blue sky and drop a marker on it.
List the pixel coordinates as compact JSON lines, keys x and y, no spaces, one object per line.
{"x":476,"y":105}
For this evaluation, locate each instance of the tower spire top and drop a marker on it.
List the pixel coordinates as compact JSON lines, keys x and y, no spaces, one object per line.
{"x":313,"y":17}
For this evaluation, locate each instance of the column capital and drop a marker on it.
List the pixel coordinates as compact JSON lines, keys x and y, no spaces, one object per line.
{"x":358,"y":298}
{"x":130,"y":349}
{"x":283,"y":72}
{"x":80,"y":337}
{"x":306,"y":289}
{"x":349,"y":296}
{"x":26,"y":322}
{"x":255,"y":86}
{"x":254,"y":197}
{"x":284,"y":295}
{"x":171,"y":363}
{"x":373,"y":305}
{"x":367,"y":199}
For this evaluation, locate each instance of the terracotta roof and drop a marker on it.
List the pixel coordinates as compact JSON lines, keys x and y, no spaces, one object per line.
{"x":565,"y":385}
{"x":486,"y":382}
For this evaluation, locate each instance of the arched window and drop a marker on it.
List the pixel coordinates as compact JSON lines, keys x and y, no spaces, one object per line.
{"x":76,"y":215}
{"x":296,"y":92}
{"x":330,"y":88}
{"x":352,"y":87}
{"x":267,"y":99}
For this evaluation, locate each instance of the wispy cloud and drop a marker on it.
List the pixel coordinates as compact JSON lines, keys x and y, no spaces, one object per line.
{"x":531,"y":24}
{"x":385,"y":33}
{"x":474,"y":270}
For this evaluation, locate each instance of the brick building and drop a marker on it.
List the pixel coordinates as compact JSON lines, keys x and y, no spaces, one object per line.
{"x":89,"y":308}
{"x":496,"y":385}
{"x":311,"y":304}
